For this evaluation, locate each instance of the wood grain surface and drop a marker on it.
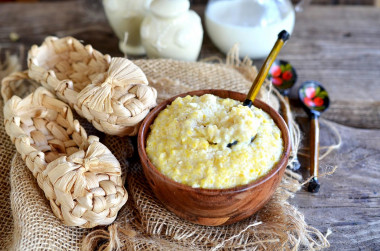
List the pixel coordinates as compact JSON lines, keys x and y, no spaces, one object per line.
{"x":213,"y":207}
{"x":338,"y":46}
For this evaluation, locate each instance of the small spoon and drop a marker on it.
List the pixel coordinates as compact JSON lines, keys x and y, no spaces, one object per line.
{"x":283,"y":76}
{"x":315,"y":100}
{"x":283,"y":36}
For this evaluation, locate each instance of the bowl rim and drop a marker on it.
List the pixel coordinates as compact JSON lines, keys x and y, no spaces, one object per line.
{"x":145,"y":128}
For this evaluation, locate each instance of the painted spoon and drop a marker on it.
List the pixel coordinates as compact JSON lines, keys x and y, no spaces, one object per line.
{"x":283,"y":76}
{"x":283,"y":36}
{"x":315,"y":100}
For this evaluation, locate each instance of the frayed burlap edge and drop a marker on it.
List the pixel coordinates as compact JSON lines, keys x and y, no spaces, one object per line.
{"x":278,"y":226}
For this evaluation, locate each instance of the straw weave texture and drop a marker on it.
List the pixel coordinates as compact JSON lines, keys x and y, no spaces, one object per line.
{"x":112,"y":93}
{"x":143,"y":223}
{"x":80,"y":177}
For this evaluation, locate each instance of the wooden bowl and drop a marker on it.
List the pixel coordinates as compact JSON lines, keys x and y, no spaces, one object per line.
{"x":213,"y":207}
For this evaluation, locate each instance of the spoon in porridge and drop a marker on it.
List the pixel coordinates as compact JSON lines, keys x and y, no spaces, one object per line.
{"x":283,"y":36}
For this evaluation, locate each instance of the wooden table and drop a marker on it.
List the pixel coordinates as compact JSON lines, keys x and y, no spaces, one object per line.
{"x":338,"y":46}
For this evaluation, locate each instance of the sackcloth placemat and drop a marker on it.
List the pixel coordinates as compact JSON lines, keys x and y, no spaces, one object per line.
{"x":27,"y":223}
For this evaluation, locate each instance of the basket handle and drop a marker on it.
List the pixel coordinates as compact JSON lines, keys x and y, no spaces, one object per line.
{"x":6,"y":89}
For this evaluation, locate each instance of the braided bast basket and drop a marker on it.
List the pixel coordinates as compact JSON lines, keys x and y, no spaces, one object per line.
{"x":80,"y":177}
{"x":112,"y":93}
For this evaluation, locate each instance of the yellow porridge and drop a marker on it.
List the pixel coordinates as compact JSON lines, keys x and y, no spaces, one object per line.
{"x":190,"y":142}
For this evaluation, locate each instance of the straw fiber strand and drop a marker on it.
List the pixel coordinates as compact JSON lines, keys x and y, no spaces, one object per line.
{"x":144,"y":223}
{"x":112,"y":93}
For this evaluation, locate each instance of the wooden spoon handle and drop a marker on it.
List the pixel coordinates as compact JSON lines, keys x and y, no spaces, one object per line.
{"x":282,"y":37}
{"x":314,"y":147}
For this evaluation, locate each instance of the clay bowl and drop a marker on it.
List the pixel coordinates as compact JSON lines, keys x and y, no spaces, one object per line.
{"x":213,"y":207}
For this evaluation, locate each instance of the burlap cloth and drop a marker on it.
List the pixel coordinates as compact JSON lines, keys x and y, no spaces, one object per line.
{"x":27,"y":222}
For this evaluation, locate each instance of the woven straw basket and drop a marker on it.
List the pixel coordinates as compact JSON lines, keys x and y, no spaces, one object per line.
{"x":112,"y":93}
{"x":80,"y":177}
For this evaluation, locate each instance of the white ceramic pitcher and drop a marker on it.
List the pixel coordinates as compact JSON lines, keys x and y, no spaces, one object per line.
{"x":125,"y":17}
{"x":171,"y":30}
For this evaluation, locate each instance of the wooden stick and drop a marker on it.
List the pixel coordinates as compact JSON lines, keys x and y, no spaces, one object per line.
{"x":314,"y":155}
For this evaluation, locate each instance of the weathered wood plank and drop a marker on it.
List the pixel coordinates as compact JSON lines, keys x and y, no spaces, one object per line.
{"x":339,"y":46}
{"x":363,"y":115}
{"x":34,"y":21}
{"x":349,"y":200}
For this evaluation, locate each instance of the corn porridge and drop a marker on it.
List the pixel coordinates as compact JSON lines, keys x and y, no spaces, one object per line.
{"x":190,"y":142}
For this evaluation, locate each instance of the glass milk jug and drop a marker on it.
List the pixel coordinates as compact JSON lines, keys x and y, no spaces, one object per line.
{"x":253,"y":24}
